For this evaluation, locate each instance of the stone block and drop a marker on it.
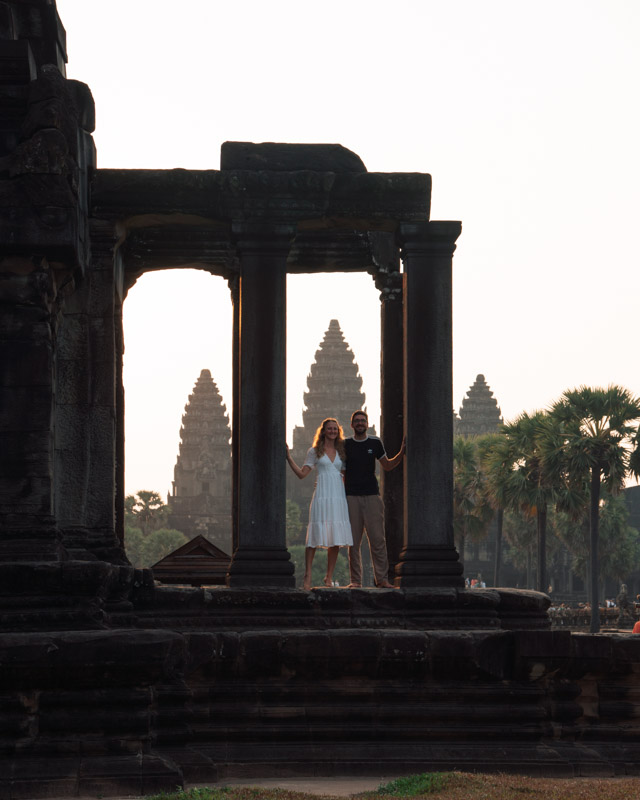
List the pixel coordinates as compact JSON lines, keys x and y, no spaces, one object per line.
{"x":26,"y":364}
{"x":259,"y":654}
{"x":405,"y":655}
{"x":26,"y":409}
{"x":306,"y":654}
{"x":31,"y":496}
{"x":18,"y":458}
{"x":22,"y":323}
{"x":289,"y":157}
{"x":72,"y":382}
{"x":354,"y":653}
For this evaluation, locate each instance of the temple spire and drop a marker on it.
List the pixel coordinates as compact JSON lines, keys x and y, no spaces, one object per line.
{"x":200,"y":502}
{"x":479,"y":412}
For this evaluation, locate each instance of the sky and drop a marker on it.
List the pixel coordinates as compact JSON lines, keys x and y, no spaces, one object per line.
{"x":525,"y":114}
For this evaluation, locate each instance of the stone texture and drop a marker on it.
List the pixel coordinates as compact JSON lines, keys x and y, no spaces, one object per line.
{"x":289,"y":157}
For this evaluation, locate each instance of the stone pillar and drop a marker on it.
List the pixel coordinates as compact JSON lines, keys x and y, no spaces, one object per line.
{"x":89,"y":416}
{"x":28,"y":322}
{"x":261,"y":557}
{"x":120,"y":446}
{"x":234,"y":287}
{"x":389,"y":281}
{"x":429,"y":557}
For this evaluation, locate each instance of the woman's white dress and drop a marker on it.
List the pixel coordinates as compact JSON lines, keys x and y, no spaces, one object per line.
{"x":328,"y":513}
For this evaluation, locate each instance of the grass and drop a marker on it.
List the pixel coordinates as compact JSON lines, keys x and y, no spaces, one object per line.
{"x":445,"y":786}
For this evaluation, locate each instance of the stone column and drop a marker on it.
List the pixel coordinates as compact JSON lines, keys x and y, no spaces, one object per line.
{"x":28,"y":321}
{"x":89,"y":411}
{"x":429,"y":557}
{"x":389,"y":281}
{"x":261,"y":557}
{"x":234,"y":287}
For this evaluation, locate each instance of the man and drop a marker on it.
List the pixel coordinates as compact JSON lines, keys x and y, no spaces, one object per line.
{"x":366,"y":511}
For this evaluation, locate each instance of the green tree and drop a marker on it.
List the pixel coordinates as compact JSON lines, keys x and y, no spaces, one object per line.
{"x":145,"y":510}
{"x":528,"y":484}
{"x":619,"y":543}
{"x":319,"y":568}
{"x":598,"y":446}
{"x":133,"y":545}
{"x":472,"y":511}
{"x":159,"y":544}
{"x":295,"y":530}
{"x":495,"y":486}
{"x":520,"y":532}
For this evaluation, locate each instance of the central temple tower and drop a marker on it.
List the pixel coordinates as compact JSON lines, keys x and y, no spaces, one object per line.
{"x":334,"y":390}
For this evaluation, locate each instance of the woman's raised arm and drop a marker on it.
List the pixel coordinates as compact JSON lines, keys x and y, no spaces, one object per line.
{"x":300,"y":473}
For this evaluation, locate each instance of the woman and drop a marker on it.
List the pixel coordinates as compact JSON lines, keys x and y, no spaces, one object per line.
{"x":329,"y":525}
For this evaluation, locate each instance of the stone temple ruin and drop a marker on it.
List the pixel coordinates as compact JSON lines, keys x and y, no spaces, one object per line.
{"x":199,"y":499}
{"x":111,"y":684}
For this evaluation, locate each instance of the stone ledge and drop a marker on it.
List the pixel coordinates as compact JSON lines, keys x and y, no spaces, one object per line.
{"x":325,"y":609}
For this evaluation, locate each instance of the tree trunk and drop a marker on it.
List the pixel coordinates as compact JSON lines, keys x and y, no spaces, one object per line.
{"x":498,"y":555}
{"x":541,"y":520}
{"x":594,"y":519}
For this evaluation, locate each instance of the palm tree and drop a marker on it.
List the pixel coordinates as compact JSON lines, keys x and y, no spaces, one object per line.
{"x":599,"y":444}
{"x":146,"y":510}
{"x":472,"y":512}
{"x":518,"y":471}
{"x":496,"y":476}
{"x":619,"y":543}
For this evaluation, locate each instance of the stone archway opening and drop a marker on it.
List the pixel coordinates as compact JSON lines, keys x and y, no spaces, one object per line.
{"x":333,"y":369}
{"x":177,"y":376}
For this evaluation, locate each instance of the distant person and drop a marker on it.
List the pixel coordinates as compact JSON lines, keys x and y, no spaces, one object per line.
{"x":329,"y":525}
{"x":366,"y":510}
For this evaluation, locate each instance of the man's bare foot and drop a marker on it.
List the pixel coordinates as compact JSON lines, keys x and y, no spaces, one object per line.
{"x":328,"y":582}
{"x":354,"y":586}
{"x":385,"y":585}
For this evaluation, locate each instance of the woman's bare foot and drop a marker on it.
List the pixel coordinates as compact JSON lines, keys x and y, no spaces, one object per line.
{"x":327,"y":582}
{"x":306,"y":583}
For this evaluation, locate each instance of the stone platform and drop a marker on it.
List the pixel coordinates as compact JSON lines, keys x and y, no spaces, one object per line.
{"x":220,"y":608}
{"x":331,"y":682}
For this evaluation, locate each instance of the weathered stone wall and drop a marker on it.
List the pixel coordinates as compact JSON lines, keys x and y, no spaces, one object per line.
{"x":108,"y":712}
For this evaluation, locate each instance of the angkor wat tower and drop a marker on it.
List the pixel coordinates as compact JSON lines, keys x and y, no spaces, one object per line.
{"x":334,"y":390}
{"x":200,"y":502}
{"x":479,"y":412}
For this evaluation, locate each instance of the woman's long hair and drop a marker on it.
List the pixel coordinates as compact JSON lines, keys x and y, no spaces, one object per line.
{"x":318,"y":439}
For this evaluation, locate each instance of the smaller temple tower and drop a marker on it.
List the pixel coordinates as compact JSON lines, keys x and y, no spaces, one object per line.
{"x":334,"y":390}
{"x":200,"y":502}
{"x":480,"y":412}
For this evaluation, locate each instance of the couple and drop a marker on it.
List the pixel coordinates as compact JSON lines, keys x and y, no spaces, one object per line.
{"x":340,"y":510}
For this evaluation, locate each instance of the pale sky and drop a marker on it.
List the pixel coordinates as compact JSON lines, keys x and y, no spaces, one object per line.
{"x":526,"y":115}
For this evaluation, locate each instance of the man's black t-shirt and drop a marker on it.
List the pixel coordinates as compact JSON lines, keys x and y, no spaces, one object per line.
{"x":360,"y":470}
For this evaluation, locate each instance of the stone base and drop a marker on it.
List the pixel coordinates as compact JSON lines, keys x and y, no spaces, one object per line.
{"x":223,"y":608}
{"x":141,"y":711}
{"x":64,"y":595}
{"x":267,"y":567}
